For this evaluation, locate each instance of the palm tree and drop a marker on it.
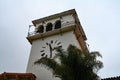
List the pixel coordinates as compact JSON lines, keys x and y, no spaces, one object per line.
{"x":73,"y":64}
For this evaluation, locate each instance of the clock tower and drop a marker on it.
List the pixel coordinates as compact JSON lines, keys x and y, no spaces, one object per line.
{"x":58,"y":30}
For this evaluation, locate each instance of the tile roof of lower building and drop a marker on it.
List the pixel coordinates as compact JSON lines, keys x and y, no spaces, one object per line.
{"x":112,"y":78}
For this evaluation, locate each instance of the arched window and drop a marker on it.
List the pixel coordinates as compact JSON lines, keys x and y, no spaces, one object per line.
{"x":40,"y":29}
{"x":57,"y":24}
{"x":49,"y":27}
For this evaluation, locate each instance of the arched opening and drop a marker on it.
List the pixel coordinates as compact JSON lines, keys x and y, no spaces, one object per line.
{"x":49,"y":27}
{"x":40,"y":29}
{"x":57,"y":24}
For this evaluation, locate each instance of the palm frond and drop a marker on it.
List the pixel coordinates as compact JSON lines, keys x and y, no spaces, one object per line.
{"x":48,"y":62}
{"x":73,"y":64}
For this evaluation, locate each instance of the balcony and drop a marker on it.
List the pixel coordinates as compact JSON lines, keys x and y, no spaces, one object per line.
{"x":65,"y":26}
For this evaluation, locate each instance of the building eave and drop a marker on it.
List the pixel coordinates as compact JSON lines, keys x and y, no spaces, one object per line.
{"x":72,"y":11}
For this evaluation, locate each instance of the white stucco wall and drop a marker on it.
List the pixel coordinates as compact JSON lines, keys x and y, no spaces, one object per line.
{"x":41,"y":72}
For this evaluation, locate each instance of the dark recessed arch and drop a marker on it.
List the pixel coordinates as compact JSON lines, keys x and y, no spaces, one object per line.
{"x":40,"y":29}
{"x":49,"y":27}
{"x":57,"y":24}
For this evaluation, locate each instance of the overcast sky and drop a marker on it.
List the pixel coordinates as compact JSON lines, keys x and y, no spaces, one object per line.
{"x":100,"y":20}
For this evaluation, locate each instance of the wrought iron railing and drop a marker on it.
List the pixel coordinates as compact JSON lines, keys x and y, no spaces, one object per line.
{"x":64,"y":24}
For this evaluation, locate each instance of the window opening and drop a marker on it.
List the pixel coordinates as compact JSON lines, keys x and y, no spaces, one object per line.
{"x":58,"y":24}
{"x":40,"y":29}
{"x":49,"y":27}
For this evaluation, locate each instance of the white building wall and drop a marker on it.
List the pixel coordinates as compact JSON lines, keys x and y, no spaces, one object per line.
{"x":41,"y":72}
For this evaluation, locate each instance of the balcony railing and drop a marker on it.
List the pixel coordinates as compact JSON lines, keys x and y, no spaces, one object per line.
{"x":63,"y":25}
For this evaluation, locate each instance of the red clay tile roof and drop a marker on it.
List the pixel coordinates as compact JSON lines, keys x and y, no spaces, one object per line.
{"x":112,"y":78}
